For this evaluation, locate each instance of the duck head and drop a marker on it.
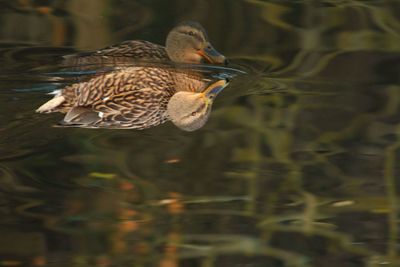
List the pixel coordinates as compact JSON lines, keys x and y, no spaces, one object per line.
{"x":188,"y":43}
{"x":189,"y":111}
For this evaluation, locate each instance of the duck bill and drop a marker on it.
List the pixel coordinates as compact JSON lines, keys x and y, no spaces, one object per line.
{"x":215,"y":88}
{"x":212,"y":56}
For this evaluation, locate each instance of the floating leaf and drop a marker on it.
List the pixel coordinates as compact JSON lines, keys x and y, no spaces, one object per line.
{"x":102,"y":175}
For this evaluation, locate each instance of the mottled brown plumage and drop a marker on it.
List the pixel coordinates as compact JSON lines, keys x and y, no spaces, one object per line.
{"x":140,"y":97}
{"x":134,"y":97}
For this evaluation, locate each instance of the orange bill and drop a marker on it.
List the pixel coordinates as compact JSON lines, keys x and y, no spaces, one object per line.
{"x":212,"y":56}
{"x":215,"y":88}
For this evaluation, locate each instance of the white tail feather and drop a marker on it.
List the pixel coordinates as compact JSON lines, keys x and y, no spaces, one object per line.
{"x":51,"y":104}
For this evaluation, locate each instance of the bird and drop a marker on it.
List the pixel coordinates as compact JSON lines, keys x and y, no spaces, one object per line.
{"x":137,"y":98}
{"x":187,"y":42}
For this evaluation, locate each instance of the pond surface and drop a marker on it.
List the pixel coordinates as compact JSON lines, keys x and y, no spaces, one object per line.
{"x":298,"y":164}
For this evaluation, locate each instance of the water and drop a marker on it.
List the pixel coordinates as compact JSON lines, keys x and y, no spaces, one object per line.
{"x":297,"y":166}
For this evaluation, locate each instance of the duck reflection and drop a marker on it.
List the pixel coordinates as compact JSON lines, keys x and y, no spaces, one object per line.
{"x":186,"y":43}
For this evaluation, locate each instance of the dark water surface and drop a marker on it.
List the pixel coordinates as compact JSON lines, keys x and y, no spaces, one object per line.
{"x":297,"y":166}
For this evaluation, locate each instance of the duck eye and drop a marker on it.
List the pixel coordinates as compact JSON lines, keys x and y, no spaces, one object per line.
{"x":194,"y":113}
{"x":191,"y":33}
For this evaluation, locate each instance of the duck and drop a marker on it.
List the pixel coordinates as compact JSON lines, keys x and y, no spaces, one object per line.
{"x":187,"y":42}
{"x":137,"y":98}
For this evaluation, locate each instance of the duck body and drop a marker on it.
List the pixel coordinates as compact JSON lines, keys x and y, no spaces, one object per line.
{"x":130,"y":98}
{"x":139,"y":97}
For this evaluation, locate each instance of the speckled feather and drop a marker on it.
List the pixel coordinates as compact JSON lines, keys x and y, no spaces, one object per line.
{"x":125,"y":52}
{"x":134,"y":97}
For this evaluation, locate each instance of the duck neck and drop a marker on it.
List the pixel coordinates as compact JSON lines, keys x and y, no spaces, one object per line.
{"x":190,"y":83}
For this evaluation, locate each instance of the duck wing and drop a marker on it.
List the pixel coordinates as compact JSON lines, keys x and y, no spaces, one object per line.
{"x":123,"y":53}
{"x":137,"y":109}
{"x":78,"y":116}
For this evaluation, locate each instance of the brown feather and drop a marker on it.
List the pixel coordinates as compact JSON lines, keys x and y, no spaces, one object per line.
{"x":134,"y":97}
{"x":125,"y":52}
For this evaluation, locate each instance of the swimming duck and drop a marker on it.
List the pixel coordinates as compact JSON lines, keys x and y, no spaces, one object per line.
{"x":185,"y":43}
{"x":137,"y":98}
{"x":141,"y":97}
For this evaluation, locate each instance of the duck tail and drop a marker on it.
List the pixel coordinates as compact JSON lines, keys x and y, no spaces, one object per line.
{"x":51,"y":105}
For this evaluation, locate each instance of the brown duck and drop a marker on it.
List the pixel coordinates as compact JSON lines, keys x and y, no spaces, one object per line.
{"x":142,"y":97}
